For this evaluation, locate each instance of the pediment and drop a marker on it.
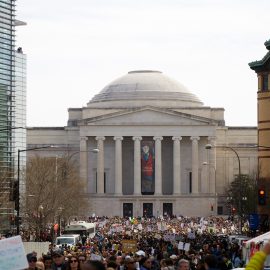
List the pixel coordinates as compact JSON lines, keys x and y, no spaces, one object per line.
{"x":148,"y":116}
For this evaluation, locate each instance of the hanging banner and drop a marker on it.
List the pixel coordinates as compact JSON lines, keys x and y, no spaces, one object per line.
{"x":147,"y":167}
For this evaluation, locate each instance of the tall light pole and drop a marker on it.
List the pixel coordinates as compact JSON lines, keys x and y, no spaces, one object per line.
{"x":209,"y":146}
{"x":17,"y":185}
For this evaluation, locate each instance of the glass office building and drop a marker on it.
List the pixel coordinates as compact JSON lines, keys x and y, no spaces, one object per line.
{"x":7,"y":81}
{"x":12,"y":108}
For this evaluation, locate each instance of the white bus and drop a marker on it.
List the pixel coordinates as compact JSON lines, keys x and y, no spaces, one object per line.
{"x":81,"y":227}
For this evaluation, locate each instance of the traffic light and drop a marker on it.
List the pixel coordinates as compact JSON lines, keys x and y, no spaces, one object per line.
{"x":261,"y":197}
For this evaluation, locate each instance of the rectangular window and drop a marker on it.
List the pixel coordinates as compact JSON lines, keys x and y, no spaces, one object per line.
{"x":104,"y":182}
{"x":220,"y":210}
{"x":190,"y":182}
{"x":127,"y":209}
{"x":148,"y":210}
{"x":167,"y":209}
{"x":265,"y":82}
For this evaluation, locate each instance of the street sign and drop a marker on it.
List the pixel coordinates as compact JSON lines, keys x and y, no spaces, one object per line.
{"x":253,"y":221}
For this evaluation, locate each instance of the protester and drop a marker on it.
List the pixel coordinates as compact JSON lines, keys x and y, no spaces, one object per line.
{"x":145,"y":263}
{"x":73,"y":263}
{"x":183,"y":265}
{"x":257,"y":260}
{"x":47,"y":260}
{"x":58,"y":260}
{"x":32,"y":260}
{"x":93,"y":265}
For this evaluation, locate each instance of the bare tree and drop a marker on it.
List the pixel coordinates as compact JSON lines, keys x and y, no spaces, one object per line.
{"x":53,"y":188}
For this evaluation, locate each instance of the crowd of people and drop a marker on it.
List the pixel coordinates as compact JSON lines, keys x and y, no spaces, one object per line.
{"x":178,"y":243}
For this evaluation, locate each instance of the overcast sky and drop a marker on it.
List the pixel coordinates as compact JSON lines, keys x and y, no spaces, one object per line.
{"x":75,"y":48}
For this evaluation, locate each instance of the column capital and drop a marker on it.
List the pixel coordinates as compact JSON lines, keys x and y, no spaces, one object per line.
{"x":100,"y":138}
{"x":137,"y":138}
{"x":84,"y":138}
{"x":177,"y":138}
{"x":158,"y":138}
{"x":116,"y":138}
{"x":194,"y":138}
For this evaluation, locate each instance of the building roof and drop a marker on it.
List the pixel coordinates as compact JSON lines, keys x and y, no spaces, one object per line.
{"x":146,"y":86}
{"x":263,"y":64}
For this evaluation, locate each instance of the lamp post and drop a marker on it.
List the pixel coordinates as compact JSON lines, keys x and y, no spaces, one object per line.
{"x":209,"y":146}
{"x":215,"y":171}
{"x":17,"y":186}
{"x":40,"y":215}
{"x":60,"y":209}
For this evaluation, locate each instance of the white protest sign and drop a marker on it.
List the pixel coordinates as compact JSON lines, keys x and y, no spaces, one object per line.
{"x":187,"y":246}
{"x":95,"y":257}
{"x":181,"y":245}
{"x":12,"y":254}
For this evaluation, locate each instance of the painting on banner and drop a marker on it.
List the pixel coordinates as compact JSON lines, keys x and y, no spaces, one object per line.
{"x":147,"y":167}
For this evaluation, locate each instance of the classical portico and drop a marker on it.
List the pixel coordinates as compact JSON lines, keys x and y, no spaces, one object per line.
{"x":151,"y":133}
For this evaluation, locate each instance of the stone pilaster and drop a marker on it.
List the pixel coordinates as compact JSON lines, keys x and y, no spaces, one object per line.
{"x":195,"y":164}
{"x":118,"y":165}
{"x":84,"y":162}
{"x":158,"y":165}
{"x":176,"y":165}
{"x":100,"y":165}
{"x":137,"y":164}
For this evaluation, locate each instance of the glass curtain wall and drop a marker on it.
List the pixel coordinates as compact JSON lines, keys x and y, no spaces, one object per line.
{"x":7,"y":98}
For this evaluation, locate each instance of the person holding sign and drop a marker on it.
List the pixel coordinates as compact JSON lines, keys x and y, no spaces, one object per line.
{"x":257,"y":261}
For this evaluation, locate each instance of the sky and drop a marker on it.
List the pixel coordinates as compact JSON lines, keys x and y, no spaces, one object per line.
{"x":75,"y":48}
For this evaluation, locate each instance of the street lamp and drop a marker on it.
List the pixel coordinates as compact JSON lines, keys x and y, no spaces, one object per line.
{"x":210,"y":146}
{"x":95,"y":150}
{"x":215,"y":171}
{"x":17,"y":185}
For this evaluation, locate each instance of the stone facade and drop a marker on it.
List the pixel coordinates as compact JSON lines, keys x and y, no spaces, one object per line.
{"x":146,"y":106}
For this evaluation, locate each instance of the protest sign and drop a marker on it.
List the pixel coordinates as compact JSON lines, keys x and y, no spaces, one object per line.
{"x":187,"y":246}
{"x":95,"y":257}
{"x":129,"y":245}
{"x":181,"y":246}
{"x":12,"y":254}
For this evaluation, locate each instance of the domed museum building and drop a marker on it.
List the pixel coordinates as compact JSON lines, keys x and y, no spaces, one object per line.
{"x":151,"y":132}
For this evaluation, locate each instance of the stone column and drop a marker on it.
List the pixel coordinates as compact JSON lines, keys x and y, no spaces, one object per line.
{"x":84,"y":162}
{"x":118,"y":165}
{"x":137,"y":165}
{"x":176,"y":165}
{"x":100,"y":165}
{"x":158,"y":166}
{"x":212,"y":165}
{"x":195,"y":165}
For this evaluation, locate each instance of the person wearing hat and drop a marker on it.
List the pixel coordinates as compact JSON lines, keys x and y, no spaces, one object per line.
{"x":58,"y":260}
{"x":32,"y":260}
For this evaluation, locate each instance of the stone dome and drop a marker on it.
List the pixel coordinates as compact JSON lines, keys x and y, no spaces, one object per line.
{"x":144,"y":87}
